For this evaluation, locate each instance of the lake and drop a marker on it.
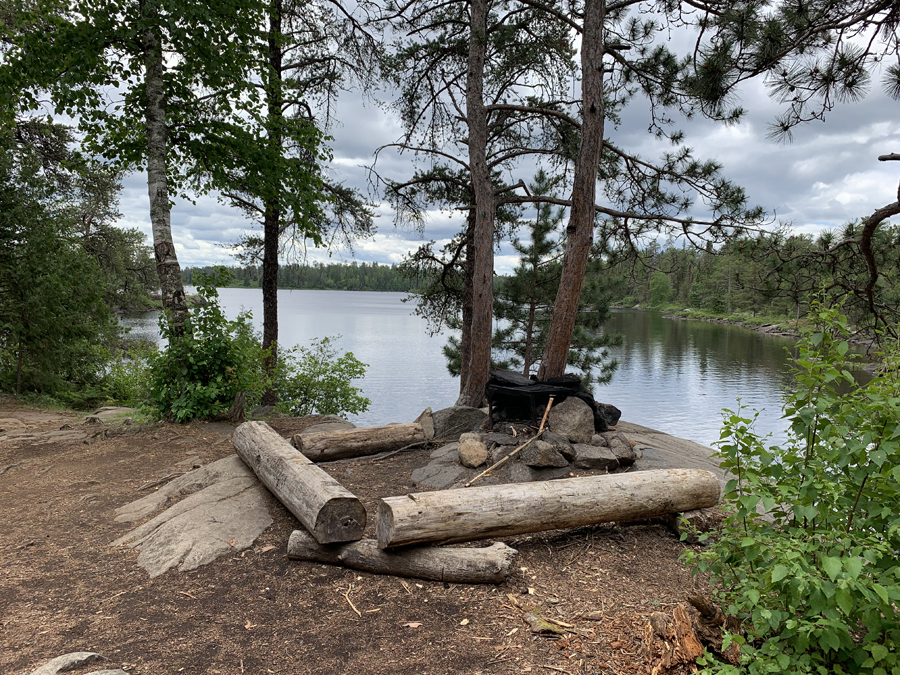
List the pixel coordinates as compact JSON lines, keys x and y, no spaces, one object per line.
{"x":675,"y":376}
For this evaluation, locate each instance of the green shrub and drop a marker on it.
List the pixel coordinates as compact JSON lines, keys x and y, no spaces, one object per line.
{"x":316,"y":380}
{"x":199,"y":372}
{"x":815,"y":583}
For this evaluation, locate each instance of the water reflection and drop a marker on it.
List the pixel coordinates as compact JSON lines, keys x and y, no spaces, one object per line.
{"x":675,"y":376}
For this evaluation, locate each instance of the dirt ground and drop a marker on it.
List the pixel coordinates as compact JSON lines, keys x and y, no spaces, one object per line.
{"x":64,"y":589}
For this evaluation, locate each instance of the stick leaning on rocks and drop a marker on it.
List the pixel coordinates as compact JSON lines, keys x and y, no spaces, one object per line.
{"x":517,"y":450}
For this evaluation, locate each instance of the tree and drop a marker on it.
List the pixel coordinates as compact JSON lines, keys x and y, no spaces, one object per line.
{"x":457,"y":66}
{"x":176,"y":66}
{"x":55,"y":328}
{"x":524,"y":301}
{"x":306,"y":55}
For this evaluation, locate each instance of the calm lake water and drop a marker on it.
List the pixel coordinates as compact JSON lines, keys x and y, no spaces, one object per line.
{"x":674,"y":376}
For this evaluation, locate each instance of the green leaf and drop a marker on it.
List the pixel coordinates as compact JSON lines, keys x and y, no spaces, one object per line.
{"x":844,"y":600}
{"x":831,"y":566}
{"x":853,"y":565}
{"x":779,"y":572}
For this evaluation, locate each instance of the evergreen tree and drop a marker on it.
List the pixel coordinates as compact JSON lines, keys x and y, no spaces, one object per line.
{"x":55,"y":328}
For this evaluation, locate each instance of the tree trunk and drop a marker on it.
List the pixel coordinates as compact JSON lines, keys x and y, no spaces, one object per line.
{"x":465,"y":342}
{"x":167,"y":265}
{"x":479,"y":350}
{"x":328,"y":510}
{"x":329,"y":445}
{"x":272,"y":207}
{"x":490,"y":565}
{"x":518,"y":508}
{"x":580,"y":231}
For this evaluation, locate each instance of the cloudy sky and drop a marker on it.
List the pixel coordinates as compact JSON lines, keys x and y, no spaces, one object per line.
{"x":827,"y":176}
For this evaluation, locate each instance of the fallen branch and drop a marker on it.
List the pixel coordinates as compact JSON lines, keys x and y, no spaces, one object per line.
{"x":6,"y":468}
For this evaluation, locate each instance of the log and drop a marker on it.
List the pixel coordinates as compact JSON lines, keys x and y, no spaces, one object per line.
{"x":467,"y":514}
{"x":329,"y":445}
{"x":491,"y":565}
{"x":326,"y":508}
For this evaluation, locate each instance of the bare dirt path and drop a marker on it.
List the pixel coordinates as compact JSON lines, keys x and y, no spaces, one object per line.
{"x":63,"y":588}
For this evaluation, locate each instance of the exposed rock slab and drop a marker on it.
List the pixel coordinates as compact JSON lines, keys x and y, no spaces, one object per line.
{"x":65,"y":662}
{"x":225,"y":516}
{"x":221,"y":470}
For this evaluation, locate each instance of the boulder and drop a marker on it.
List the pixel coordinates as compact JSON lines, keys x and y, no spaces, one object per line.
{"x":595,"y":457}
{"x":573,"y":419}
{"x":610,"y":413}
{"x":541,"y":454}
{"x":456,"y":420}
{"x":560,"y":443}
{"x":473,"y":452}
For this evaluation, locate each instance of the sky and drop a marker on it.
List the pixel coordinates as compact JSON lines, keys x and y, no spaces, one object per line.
{"x":828,"y":175}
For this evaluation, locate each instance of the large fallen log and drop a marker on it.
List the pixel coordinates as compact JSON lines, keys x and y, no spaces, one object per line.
{"x":478,"y":513}
{"x":329,"y":445}
{"x":490,"y":565}
{"x":326,"y":508}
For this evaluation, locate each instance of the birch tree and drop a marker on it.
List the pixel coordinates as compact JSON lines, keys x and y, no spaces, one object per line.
{"x":140,"y":76}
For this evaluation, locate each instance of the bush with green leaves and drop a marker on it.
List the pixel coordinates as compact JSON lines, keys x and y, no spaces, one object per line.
{"x":316,"y":379}
{"x":199,"y":372}
{"x":815,"y":579}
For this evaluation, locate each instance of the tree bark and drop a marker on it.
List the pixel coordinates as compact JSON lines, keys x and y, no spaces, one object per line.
{"x":499,"y":510}
{"x":465,"y":341}
{"x":479,"y":349}
{"x":329,"y":445}
{"x":490,"y":565}
{"x":271,"y":205}
{"x":167,"y":266}
{"x":329,"y":511}
{"x":580,"y":230}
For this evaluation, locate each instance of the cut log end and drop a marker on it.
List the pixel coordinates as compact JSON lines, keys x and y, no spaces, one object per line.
{"x":340,"y":519}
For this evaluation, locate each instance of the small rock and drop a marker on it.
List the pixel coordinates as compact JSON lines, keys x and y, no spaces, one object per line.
{"x":65,"y":662}
{"x":610,"y":413}
{"x":542,"y":454}
{"x":560,"y":443}
{"x":599,"y":440}
{"x":620,"y":446}
{"x":594,"y":457}
{"x":516,"y":472}
{"x":472,"y":450}
{"x":573,"y":419}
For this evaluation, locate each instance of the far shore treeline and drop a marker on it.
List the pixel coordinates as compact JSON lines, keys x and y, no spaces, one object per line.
{"x":353,"y":276}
